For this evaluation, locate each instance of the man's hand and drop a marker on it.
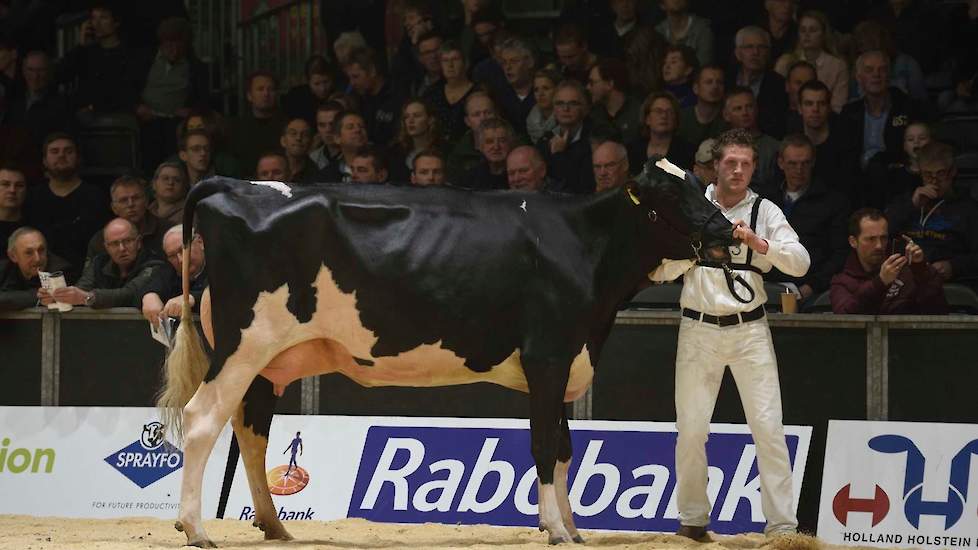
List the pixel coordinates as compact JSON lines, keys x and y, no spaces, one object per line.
{"x":806,"y":291}
{"x":914,"y":252}
{"x":891,"y":267}
{"x":174,"y":306}
{"x":45,"y":297}
{"x":558,"y":143}
{"x":71,"y":295}
{"x":743,"y":232}
{"x":944,"y":269}
{"x":152,"y":307}
{"x":924,"y":194}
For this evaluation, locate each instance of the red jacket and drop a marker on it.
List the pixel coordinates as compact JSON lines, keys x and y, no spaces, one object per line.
{"x":917,"y":291}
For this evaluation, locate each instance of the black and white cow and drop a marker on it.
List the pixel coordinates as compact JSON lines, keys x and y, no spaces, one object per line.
{"x":414,"y":287}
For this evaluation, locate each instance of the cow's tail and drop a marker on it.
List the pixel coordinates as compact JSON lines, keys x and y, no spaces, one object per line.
{"x":187,"y":363}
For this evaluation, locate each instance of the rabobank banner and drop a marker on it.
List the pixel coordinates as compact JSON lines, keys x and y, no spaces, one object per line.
{"x":95,"y":462}
{"x":479,"y":471}
{"x":900,"y":484}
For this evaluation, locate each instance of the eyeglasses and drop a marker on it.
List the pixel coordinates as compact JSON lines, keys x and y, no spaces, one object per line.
{"x":568,"y":104}
{"x":934,"y":175}
{"x":128,"y":242}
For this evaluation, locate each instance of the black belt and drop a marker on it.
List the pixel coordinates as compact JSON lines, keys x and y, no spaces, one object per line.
{"x":725,"y":320}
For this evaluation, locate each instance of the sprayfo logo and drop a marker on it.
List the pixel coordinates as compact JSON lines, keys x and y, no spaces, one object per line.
{"x":148,"y":459}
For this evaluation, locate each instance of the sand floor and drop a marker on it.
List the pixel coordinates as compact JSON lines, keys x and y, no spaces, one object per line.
{"x":33,"y":533}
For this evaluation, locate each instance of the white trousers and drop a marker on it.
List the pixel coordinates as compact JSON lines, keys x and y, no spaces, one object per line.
{"x":704,"y":351}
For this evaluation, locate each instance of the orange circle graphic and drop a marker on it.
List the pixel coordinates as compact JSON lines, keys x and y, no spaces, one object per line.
{"x":280,"y":484}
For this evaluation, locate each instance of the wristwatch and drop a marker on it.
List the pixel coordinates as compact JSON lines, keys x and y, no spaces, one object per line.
{"x":90,"y":299}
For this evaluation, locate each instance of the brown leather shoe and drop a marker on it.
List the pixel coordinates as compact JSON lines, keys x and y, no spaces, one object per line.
{"x":694,"y":532}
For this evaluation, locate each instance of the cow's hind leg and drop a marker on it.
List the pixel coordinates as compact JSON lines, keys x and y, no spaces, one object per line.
{"x":547,"y":382}
{"x":564,"y":455}
{"x":251,"y":424}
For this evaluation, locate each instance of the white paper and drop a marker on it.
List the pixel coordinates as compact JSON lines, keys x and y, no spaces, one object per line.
{"x":51,"y":281}
{"x":163,"y":333}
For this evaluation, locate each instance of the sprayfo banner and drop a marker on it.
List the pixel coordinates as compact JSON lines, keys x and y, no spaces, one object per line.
{"x":469,"y":471}
{"x":95,"y":462}
{"x":900,"y":484}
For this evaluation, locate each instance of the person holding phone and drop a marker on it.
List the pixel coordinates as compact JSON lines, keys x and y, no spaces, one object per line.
{"x":885,"y":276}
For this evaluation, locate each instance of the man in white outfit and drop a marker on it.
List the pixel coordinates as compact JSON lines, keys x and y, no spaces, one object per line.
{"x":718,"y":330}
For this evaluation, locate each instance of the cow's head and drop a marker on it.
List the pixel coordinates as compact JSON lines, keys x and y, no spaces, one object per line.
{"x":673,"y":198}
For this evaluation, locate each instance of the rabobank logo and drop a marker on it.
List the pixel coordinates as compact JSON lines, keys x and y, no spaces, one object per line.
{"x":149,"y":459}
{"x":619,"y":480}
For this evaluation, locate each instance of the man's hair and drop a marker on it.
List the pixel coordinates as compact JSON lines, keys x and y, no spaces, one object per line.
{"x":861,"y":60}
{"x":317,"y":64}
{"x":272,"y":153}
{"x":259,"y":73}
{"x":936,"y":152}
{"x":377,"y":157}
{"x":688,"y":54}
{"x":365,"y":58}
{"x":708,"y":67}
{"x":815,"y":86}
{"x":55,"y":136}
{"x":801,"y":63}
{"x":329,"y":107}
{"x":493,"y":123}
{"x":570,"y":83}
{"x":735,"y":91}
{"x":338,"y":121}
{"x":570,"y":33}
{"x":737,"y":137}
{"x":450,"y":46}
{"x":11,"y":166}
{"x":429,"y":153}
{"x":18,"y":233}
{"x":620,"y":151}
{"x":176,"y":29}
{"x":475,"y":94}
{"x":518,"y":44}
{"x":550,"y":74}
{"x":536,"y":159}
{"x":857,"y":217}
{"x":128,"y":181}
{"x":178,"y":166}
{"x":185,"y":138}
{"x":796,"y":140}
{"x":291,"y":119}
{"x":751,"y":30}
{"x":426,"y":36}
{"x":614,"y":70}
{"x":647,"y":106}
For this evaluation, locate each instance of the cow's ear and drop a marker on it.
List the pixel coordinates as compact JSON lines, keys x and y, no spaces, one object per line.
{"x":374,"y":213}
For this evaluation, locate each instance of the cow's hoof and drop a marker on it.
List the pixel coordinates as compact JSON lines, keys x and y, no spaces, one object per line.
{"x":259,"y":525}
{"x":282,"y":535}
{"x":178,"y":526}
{"x":559,"y":538}
{"x":578,"y":539}
{"x":203,"y":543}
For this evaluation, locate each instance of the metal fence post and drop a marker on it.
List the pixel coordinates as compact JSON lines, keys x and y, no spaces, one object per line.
{"x":309,"y":400}
{"x":50,"y":358}
{"x":876,"y":365}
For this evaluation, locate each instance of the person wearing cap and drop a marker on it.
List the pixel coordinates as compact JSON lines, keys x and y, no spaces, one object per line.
{"x":703,"y":164}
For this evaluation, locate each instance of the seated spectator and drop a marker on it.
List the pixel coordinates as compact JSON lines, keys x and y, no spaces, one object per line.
{"x":351,"y":135}
{"x":567,"y":151}
{"x":891,"y":180}
{"x":660,"y":117}
{"x":740,"y":111}
{"x":877,"y":279}
{"x":945,"y":225}
{"x":516,"y":99}
{"x":328,"y":151}
{"x":682,"y":27}
{"x":259,"y":127}
{"x":704,"y":120}
{"x":644,"y":55}
{"x":526,"y":169}
{"x":836,"y":152}
{"x":574,"y":59}
{"x":488,"y":73}
{"x":43,"y":109}
{"x":272,"y":166}
{"x":610,"y":161}
{"x":541,"y":119}
{"x":464,"y":156}
{"x":677,"y":72}
{"x":429,"y":169}
{"x":380,"y":102}
{"x":779,"y":22}
{"x":963,"y":95}
{"x":66,"y":210}
{"x":480,"y":23}
{"x":815,"y":212}
{"x":212,"y":124}
{"x":169,"y":192}
{"x":448,"y":99}
{"x":163,"y":294}
{"x":13,"y":194}
{"x":610,"y":39}
{"x":816,"y":45}
{"x":196,"y":154}
{"x":27,"y":254}
{"x":370,"y":165}
{"x":703,"y":167}
{"x":419,"y":132}
{"x":303,"y":100}
{"x":905,"y":72}
{"x":116,"y":277}
{"x":129,"y":201}
{"x":425,"y":57}
{"x":753,"y":47}
{"x":613,"y":108}
{"x":799,"y":73}
{"x":496,"y":139}
{"x":296,"y":141}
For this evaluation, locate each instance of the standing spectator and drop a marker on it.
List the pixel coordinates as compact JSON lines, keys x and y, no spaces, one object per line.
{"x":169,"y":192}
{"x":526,"y":169}
{"x":877,"y":280}
{"x":815,"y":212}
{"x":480,"y":21}
{"x":489,"y":73}
{"x":296,"y":141}
{"x":43,"y":109}
{"x":644,"y":56}
{"x":541,"y":119}
{"x":567,"y":151}
{"x":163,"y":294}
{"x":613,"y":107}
{"x":799,"y":73}
{"x":574,"y":58}
{"x":682,"y":27}
{"x":380,"y":102}
{"x":351,"y":135}
{"x":836,"y":152}
{"x":11,"y":86}
{"x":129,"y":202}
{"x":369,"y":165}
{"x":660,"y":115}
{"x":272,"y":166}
{"x":779,"y":22}
{"x":517,"y":99}
{"x":496,"y":139}
{"x":13,"y":194}
{"x":419,"y":132}
{"x":27,"y":254}
{"x":610,"y":162}
{"x":303,"y":100}
{"x":448,"y":99}
{"x":328,"y":151}
{"x":753,"y":45}
{"x":816,"y":45}
{"x":196,"y":154}
{"x":740,"y":111}
{"x":464,"y":155}
{"x":259,"y":128}
{"x":677,"y":69}
{"x":704,"y":120}
{"x":67,"y":210}
{"x":429,"y":77}
{"x":428,"y":169}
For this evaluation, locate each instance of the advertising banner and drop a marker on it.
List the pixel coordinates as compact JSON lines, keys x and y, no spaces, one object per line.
{"x":480,"y":471}
{"x":902,"y":484}
{"x":96,"y":462}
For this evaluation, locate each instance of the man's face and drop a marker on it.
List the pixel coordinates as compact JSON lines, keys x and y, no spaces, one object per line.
{"x":709,"y":86}
{"x":103,"y":23}
{"x":735,"y":168}
{"x":610,"y":168}
{"x":320,"y":85}
{"x":173,"y":249}
{"x":797,"y":163}
{"x":122,"y":243}
{"x":61,"y":159}
{"x":297,"y":138}
{"x":129,"y":202}
{"x":361,"y":80}
{"x":939,"y":175}
{"x":353,"y":132}
{"x":428,"y":55}
{"x":796,"y":79}
{"x":674,"y":68}
{"x":814,"y":109}
{"x":569,"y":107}
{"x":739,"y":111}
{"x":523,"y":173}
{"x":518,"y":67}
{"x":452,"y":64}
{"x":37,"y":73}
{"x":874,"y":75}
{"x":364,"y":171}
{"x":272,"y":168}
{"x":572,"y":54}
{"x":324,"y":126}
{"x":872,"y":243}
{"x":173,"y":51}
{"x":495,"y":145}
{"x":13,"y":190}
{"x":661,"y":118}
{"x":753,"y":52}
{"x":428,"y":171}
{"x":169,"y":185}
{"x":625,"y":10}
{"x":30,"y":254}
{"x":262,"y":94}
{"x":198,"y":154}
{"x":598,"y":87}
{"x":478,"y":109}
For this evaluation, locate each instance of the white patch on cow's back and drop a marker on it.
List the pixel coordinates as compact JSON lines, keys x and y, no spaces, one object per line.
{"x":279,"y":186}
{"x":671,"y":168}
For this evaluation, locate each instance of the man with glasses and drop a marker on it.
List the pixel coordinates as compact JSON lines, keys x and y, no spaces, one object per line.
{"x":129,"y":202}
{"x":753,"y":71}
{"x":163,"y":295}
{"x":196,"y":154}
{"x":116,"y":277}
{"x":610,"y":162}
{"x":943,"y":222}
{"x":567,"y":151}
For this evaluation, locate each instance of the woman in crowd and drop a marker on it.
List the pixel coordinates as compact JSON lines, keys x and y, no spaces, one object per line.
{"x":448,"y":100}
{"x":169,"y":192}
{"x":541,"y":119}
{"x":660,"y":117}
{"x":816,"y":45}
{"x":419,"y":132}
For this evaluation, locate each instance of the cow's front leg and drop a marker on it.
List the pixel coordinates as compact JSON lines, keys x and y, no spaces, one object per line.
{"x":547,"y":382}
{"x":564,"y":455}
{"x":251,"y":426}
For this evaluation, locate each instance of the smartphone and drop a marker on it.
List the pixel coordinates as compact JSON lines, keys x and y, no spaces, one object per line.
{"x":898,"y":245}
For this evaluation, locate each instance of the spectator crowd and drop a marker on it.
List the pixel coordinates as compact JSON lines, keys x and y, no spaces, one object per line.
{"x":847,"y":103}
